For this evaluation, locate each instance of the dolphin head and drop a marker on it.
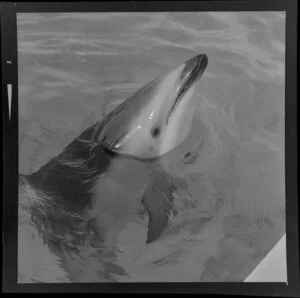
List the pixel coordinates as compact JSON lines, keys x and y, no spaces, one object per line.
{"x":157,"y":117}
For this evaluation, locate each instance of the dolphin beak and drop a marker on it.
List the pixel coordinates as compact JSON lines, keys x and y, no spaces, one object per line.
{"x":193,"y":70}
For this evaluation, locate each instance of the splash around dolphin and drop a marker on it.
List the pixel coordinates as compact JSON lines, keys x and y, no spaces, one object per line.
{"x":106,"y":175}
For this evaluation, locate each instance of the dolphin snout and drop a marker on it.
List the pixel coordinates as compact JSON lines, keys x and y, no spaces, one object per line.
{"x":194,"y":67}
{"x":192,"y":71}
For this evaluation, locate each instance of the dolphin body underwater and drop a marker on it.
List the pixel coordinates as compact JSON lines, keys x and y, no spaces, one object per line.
{"x":112,"y":172}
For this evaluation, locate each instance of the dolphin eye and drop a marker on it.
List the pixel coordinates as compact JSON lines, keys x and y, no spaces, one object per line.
{"x":187,"y":154}
{"x":155,"y":132}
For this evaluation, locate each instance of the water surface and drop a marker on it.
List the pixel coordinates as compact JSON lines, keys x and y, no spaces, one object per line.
{"x":74,"y":68}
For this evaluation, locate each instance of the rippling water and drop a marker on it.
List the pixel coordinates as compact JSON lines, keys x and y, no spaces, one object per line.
{"x":74,"y":68}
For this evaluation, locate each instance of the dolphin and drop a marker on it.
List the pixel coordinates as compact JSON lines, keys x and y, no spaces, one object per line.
{"x":113,"y":169}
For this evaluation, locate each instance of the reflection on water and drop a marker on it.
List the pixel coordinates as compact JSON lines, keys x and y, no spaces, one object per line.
{"x":74,"y":68}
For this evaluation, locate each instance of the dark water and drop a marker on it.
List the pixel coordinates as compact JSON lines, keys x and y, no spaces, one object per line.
{"x":74,"y":68}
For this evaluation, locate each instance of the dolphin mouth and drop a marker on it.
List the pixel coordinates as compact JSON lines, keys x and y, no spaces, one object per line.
{"x":193,"y":70}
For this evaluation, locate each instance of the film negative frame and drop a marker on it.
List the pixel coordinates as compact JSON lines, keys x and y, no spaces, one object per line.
{"x":10,"y":146}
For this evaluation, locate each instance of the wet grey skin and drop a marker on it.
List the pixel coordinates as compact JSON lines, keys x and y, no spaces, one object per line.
{"x":99,"y":171}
